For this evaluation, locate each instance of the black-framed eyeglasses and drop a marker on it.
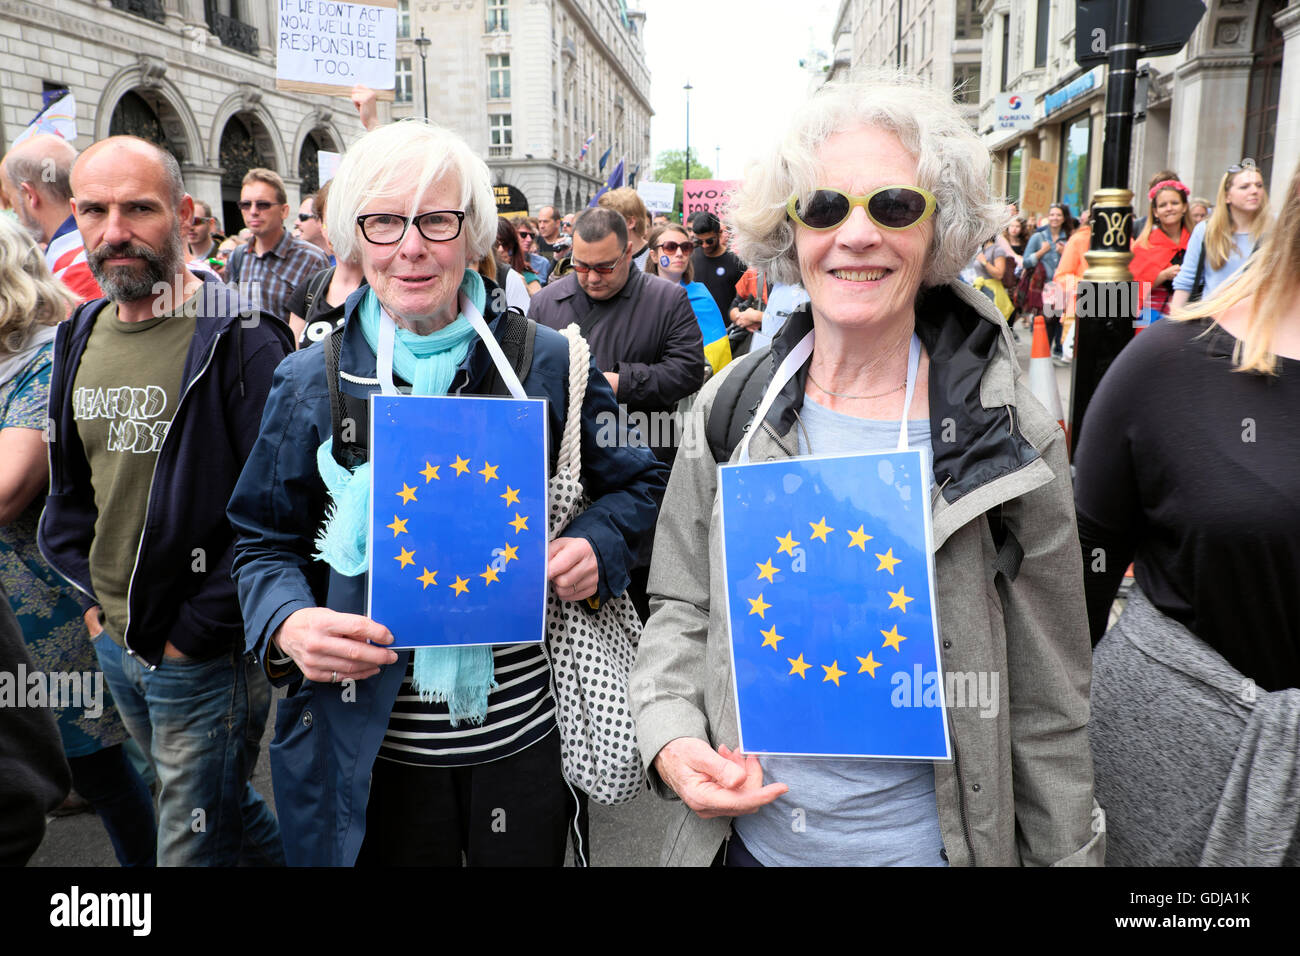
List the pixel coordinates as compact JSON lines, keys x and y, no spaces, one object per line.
{"x":1244,"y":165}
{"x":262,"y":204}
{"x":304,"y":216}
{"x":604,"y":269}
{"x":671,"y":247}
{"x":388,"y":228}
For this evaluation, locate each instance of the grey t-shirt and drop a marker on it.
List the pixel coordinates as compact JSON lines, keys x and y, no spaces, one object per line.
{"x":848,"y":811}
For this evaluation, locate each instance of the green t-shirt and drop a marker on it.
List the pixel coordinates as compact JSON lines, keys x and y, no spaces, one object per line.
{"x":124,"y":396}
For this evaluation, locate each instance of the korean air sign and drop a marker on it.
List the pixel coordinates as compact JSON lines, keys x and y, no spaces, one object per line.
{"x":1013,"y":111}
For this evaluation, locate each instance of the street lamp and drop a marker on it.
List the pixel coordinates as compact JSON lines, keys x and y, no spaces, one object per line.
{"x":422,"y":43}
{"x":688,"y":89}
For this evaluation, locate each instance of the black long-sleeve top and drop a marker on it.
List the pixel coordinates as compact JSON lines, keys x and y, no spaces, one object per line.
{"x":1192,"y":471}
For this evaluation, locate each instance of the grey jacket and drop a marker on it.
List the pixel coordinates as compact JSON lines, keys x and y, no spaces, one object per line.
{"x":1020,"y":789}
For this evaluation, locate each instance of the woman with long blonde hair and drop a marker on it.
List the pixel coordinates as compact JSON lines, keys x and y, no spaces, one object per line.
{"x":1187,"y":467}
{"x":1221,"y":244}
{"x":32,"y":303}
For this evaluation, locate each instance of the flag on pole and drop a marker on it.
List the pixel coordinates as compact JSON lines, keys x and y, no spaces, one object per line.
{"x":830,"y":602}
{"x":586,"y":146}
{"x":614,"y":182}
{"x":458,"y":520}
{"x":600,"y":167}
{"x":58,"y":118}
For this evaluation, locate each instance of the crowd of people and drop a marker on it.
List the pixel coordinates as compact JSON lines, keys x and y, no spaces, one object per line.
{"x":184,"y":488}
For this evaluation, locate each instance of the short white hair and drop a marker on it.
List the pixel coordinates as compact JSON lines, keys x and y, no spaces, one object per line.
{"x":951,"y":162}
{"x":401,"y":161}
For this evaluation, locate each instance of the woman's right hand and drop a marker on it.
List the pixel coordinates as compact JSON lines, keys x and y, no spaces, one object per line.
{"x":329,"y":646}
{"x":715,"y":783}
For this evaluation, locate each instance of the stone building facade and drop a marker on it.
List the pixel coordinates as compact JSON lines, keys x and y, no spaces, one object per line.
{"x":939,"y":40}
{"x":196,"y":76}
{"x":526,"y":82}
{"x":1233,"y":91}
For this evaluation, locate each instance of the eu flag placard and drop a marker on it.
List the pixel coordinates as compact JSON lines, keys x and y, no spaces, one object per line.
{"x":458,"y":519}
{"x":830,"y":600}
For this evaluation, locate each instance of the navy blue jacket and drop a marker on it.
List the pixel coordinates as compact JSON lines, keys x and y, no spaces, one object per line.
{"x":327,"y":735}
{"x":181,"y":590}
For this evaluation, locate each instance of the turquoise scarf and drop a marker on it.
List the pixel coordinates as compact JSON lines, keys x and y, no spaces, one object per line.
{"x":461,"y":677}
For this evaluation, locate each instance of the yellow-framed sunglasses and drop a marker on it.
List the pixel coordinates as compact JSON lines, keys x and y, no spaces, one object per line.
{"x":890,"y":207}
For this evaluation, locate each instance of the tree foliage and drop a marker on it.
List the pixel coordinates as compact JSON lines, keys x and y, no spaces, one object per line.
{"x":670,"y":167}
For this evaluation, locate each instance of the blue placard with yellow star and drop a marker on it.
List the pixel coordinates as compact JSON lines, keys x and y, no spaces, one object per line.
{"x":458,"y":519}
{"x":830,"y":600}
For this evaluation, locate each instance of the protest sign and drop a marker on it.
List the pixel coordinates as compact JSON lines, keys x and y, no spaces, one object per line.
{"x":511,"y":201}
{"x":709,"y":195}
{"x":458,"y":519}
{"x":1040,"y":189}
{"x":329,"y":46}
{"x":831,"y":607}
{"x":327,"y":165}
{"x":658,"y":197}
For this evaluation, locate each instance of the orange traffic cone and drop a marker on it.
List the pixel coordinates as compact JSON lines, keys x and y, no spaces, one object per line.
{"x":1042,"y":375}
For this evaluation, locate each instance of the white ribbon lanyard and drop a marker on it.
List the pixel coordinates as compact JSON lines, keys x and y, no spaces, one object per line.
{"x":790,"y":367}
{"x":388,"y":336}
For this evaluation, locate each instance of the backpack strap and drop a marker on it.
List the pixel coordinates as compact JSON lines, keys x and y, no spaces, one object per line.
{"x":235,"y":264}
{"x":1198,"y":283}
{"x":734,"y":404}
{"x":315,"y":286}
{"x":518,"y":336}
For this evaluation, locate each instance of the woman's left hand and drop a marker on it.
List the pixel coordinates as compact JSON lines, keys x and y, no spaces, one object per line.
{"x":1167,"y":274}
{"x":572,"y":567}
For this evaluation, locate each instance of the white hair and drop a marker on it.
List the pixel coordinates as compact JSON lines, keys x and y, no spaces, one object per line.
{"x":401,"y":161}
{"x":951,"y":162}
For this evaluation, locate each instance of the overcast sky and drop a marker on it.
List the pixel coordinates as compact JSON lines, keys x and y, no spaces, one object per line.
{"x":742,"y":60}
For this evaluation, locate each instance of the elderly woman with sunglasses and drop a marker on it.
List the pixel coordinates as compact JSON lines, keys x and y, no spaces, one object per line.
{"x":390,"y":757}
{"x":873,"y":202}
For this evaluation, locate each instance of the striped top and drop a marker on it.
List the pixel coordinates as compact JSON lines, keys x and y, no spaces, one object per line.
{"x":521,"y":711}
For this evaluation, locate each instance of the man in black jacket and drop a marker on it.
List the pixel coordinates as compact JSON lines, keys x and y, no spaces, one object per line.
{"x":643,"y":335}
{"x":156,"y":398}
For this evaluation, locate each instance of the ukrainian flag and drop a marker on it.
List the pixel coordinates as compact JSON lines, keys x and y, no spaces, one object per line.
{"x":717,"y":349}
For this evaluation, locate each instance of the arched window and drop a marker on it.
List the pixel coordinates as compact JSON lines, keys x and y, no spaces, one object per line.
{"x":1260,"y":139}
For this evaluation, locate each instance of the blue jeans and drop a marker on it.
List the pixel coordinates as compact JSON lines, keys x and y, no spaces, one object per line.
{"x":199,"y":723}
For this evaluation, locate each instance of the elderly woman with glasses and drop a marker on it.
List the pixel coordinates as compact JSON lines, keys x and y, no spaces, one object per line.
{"x":377,"y":758}
{"x":874,"y":201}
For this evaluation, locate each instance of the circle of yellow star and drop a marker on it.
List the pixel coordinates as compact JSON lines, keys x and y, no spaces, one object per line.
{"x":398,"y":525}
{"x":833,"y":673}
{"x":893,"y":638}
{"x":405,"y":558}
{"x":869,"y":663}
{"x":787,"y":544}
{"x":758,"y":606}
{"x":430,"y":473}
{"x":489,"y":575}
{"x":461,"y":585}
{"x":510,"y":553}
{"x":766,"y":570}
{"x":461,"y":465}
{"x":427,"y":578}
{"x":899,"y":600}
{"x":820,"y":530}
{"x":798,"y":666}
{"x":511,"y":496}
{"x":771,"y":638}
{"x":887,"y":561}
{"x":489,"y":472}
{"x":407,"y":494}
{"x":859,"y":540}
{"x":519,"y":524}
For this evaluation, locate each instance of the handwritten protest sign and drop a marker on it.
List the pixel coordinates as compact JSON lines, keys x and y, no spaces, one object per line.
{"x":658,"y":197}
{"x":327,"y":164}
{"x":709,"y":195}
{"x":328,"y":46}
{"x":1040,"y":188}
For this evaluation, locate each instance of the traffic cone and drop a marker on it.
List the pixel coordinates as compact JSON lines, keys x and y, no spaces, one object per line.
{"x":1042,"y":374}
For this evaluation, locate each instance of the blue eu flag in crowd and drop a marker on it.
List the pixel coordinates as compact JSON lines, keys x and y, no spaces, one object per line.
{"x":458,"y":519}
{"x":830,"y":603}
